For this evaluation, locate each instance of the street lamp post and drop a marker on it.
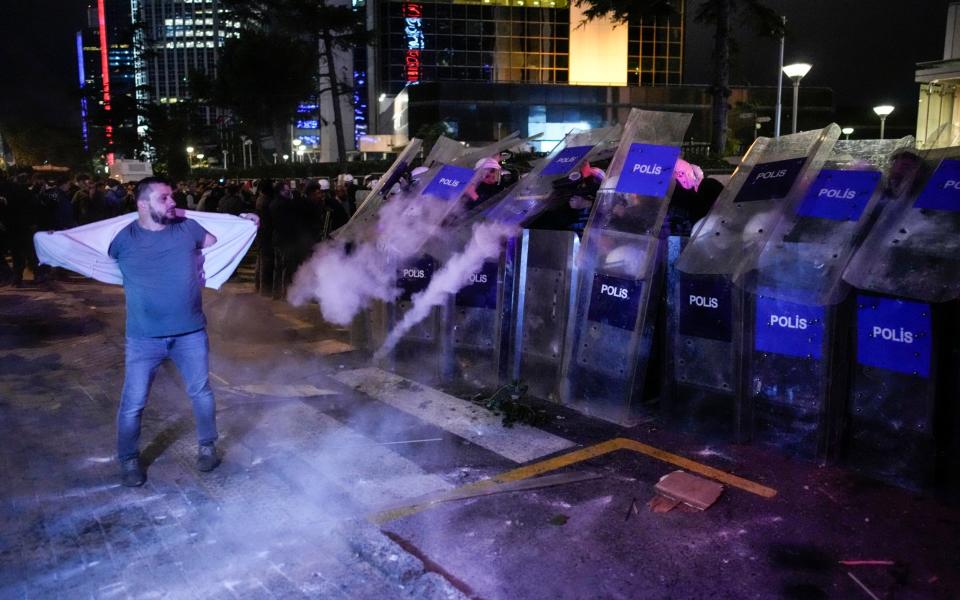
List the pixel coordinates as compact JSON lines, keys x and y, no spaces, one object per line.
{"x":190,"y":158}
{"x":796,"y":72}
{"x":846,"y":131}
{"x":224,"y":159}
{"x":296,"y":142}
{"x":779,"y":109}
{"x":248,"y":147}
{"x":200,"y":157}
{"x":883,"y":111}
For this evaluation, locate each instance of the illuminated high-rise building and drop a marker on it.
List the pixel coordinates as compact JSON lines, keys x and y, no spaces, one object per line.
{"x":175,"y":38}
{"x":106,"y":77}
{"x":525,"y":41}
{"x":542,"y":57}
{"x":485,"y":68}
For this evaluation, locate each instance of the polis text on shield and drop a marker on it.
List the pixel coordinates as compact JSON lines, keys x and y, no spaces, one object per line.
{"x":788,"y":322}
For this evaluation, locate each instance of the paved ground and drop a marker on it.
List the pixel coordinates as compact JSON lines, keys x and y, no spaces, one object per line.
{"x":332,"y":468}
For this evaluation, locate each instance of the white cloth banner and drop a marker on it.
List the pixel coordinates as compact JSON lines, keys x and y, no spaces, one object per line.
{"x":84,"y":249}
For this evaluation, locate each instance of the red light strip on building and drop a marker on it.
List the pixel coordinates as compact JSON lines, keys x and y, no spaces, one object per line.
{"x":105,"y":75}
{"x":413,"y":29}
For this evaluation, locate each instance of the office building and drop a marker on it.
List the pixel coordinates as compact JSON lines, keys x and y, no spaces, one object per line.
{"x":105,"y":68}
{"x":174,"y":38}
{"x":485,"y":68}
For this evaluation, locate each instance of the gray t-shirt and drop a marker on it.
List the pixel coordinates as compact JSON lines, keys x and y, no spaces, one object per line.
{"x":161,"y":278}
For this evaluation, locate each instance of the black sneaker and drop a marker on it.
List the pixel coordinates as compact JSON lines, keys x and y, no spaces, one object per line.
{"x":131,"y":473}
{"x":207,"y":458}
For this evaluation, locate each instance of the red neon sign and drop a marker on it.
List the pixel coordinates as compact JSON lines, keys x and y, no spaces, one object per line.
{"x":413,"y":31}
{"x":105,"y":74}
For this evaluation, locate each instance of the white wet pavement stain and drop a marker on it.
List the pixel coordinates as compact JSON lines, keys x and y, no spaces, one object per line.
{"x":297,"y":390}
{"x":520,"y":443}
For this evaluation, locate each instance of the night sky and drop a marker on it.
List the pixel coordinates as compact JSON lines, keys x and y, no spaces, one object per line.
{"x":866,"y":50}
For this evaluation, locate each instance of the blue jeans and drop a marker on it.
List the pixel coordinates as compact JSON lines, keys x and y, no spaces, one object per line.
{"x":190,"y":353}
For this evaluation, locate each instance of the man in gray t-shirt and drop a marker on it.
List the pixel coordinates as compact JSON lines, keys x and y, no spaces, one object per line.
{"x":159,"y":257}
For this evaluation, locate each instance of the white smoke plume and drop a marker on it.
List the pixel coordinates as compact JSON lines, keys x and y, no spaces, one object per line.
{"x":485,"y":244}
{"x":345,"y":283}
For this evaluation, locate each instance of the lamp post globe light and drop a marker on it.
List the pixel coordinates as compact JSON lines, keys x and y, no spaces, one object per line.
{"x":883,"y":111}
{"x":286,"y":157}
{"x":190,"y":158}
{"x":846,"y":131}
{"x":796,"y":72}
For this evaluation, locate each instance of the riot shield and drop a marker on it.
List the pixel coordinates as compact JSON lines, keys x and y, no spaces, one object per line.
{"x":748,"y":209}
{"x":914,"y":249}
{"x":535,"y":193}
{"x":804,"y":258}
{"x":408,"y":237}
{"x":398,"y":171}
{"x":904,"y":378}
{"x":605,"y":357}
{"x":482,"y":331}
{"x":444,"y":149}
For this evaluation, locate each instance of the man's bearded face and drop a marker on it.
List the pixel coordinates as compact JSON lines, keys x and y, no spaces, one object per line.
{"x":163,"y":209}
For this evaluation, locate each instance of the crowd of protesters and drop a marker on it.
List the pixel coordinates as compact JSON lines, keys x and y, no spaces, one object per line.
{"x":294,"y":215}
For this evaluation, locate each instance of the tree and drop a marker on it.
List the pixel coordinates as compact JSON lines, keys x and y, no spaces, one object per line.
{"x":33,"y":143}
{"x":262,"y":77}
{"x":326,"y":27}
{"x":169,"y":128}
{"x":719,"y":13}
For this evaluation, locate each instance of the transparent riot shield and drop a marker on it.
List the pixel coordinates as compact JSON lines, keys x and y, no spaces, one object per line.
{"x":751,"y":205}
{"x":903,"y":382}
{"x":535,"y":193}
{"x":483,"y":333}
{"x":413,"y":234}
{"x":707,"y":312}
{"x":805,"y":256}
{"x":797,"y":349}
{"x":544,"y":267}
{"x":914,"y":249}
{"x":605,"y":356}
{"x":398,"y":172}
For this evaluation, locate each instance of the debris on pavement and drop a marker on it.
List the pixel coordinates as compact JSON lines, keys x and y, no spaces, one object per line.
{"x":506,"y":401}
{"x":690,"y":489}
{"x":855,"y":563}
{"x":559,"y":519}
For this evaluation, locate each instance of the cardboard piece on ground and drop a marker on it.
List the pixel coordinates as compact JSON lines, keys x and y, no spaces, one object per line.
{"x":662,"y":504}
{"x":694,"y":491}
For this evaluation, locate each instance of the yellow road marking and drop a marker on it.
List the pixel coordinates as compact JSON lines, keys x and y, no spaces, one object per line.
{"x":565,"y":460}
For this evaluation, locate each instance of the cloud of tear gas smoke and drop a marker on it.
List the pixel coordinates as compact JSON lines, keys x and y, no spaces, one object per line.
{"x":485,"y":244}
{"x":345,"y":283}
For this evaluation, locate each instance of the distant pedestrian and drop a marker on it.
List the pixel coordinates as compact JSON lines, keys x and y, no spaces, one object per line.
{"x":159,"y":256}
{"x":232,"y":202}
{"x":22,"y":215}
